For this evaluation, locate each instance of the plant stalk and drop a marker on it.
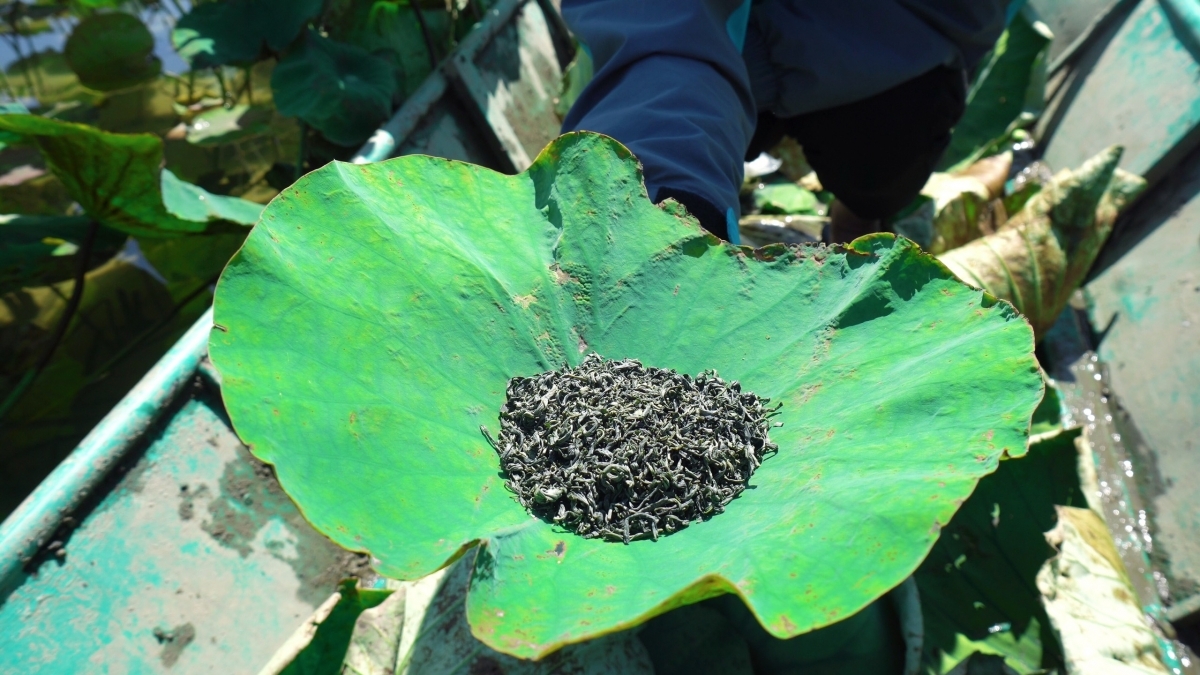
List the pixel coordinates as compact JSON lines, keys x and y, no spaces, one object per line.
{"x":429,"y":46}
{"x":141,"y":338}
{"x":60,"y":329}
{"x":303,"y":150}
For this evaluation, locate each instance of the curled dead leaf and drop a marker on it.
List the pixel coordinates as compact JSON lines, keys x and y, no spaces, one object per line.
{"x":1042,"y":254}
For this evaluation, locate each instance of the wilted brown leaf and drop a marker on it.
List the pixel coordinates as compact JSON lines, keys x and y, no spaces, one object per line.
{"x":1040,"y":256}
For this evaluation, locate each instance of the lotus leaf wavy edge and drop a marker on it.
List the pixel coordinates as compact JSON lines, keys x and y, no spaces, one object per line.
{"x":369,"y":324}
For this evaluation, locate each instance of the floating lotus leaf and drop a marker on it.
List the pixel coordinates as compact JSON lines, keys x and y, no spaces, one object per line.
{"x":8,"y":138}
{"x":112,"y":51}
{"x":221,"y":125}
{"x":370,"y":323}
{"x":337,"y":88}
{"x":118,"y":180}
{"x":240,"y":31}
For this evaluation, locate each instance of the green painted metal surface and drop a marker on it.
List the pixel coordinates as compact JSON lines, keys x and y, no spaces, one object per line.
{"x":30,"y":526}
{"x":160,"y":546}
{"x":1146,"y":304}
{"x":1133,"y":77}
{"x":1136,"y":84}
{"x":1069,"y":20}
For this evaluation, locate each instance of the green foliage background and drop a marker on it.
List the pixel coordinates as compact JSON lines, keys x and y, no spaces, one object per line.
{"x":172,"y":166}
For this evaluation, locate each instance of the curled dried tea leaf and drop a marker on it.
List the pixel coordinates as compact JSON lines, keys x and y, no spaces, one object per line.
{"x":615,"y":450}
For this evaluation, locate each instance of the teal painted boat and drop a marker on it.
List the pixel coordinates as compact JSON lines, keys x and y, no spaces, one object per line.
{"x":160,"y":544}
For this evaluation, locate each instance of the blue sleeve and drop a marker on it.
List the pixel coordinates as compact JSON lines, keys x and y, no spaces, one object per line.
{"x":671,"y":85}
{"x":809,"y":55}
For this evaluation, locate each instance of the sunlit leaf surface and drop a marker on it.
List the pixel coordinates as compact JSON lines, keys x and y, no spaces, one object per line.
{"x":370,"y":323}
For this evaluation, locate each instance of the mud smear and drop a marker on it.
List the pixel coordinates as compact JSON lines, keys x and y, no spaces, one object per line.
{"x":187,"y":499}
{"x":247,"y":498}
{"x":174,"y":641}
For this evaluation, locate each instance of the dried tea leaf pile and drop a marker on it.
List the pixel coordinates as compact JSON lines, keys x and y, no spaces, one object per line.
{"x":616,"y":450}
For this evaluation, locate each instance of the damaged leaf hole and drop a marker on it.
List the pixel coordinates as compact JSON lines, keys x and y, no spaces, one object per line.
{"x":618,"y":451}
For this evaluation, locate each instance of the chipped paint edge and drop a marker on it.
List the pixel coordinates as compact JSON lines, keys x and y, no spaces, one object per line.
{"x":30,"y":526}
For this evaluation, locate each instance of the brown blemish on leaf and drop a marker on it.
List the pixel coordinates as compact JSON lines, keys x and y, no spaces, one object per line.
{"x":807,"y":392}
{"x":353,"y":417}
{"x":787,"y":623}
{"x":525,"y":300}
{"x":990,"y":433}
{"x":560,"y":276}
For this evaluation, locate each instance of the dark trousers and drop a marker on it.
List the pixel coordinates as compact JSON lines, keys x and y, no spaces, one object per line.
{"x":875,"y":154}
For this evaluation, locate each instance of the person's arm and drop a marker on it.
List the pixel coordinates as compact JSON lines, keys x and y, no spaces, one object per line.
{"x":671,"y":85}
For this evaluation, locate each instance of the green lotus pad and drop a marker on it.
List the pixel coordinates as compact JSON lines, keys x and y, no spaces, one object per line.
{"x":238,"y":32}
{"x":119,"y":181}
{"x":340,"y":89}
{"x":370,"y":323}
{"x":112,"y":51}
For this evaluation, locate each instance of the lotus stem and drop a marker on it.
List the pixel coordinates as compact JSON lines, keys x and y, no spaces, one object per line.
{"x":60,"y":329}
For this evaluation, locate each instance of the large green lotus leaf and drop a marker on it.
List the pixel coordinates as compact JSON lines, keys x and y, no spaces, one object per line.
{"x":240,"y":31}
{"x":112,"y":51}
{"x":118,"y":180}
{"x":370,"y":323}
{"x":978,"y":585}
{"x":339,"y":89}
{"x":390,"y":29}
{"x":1001,"y":90}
